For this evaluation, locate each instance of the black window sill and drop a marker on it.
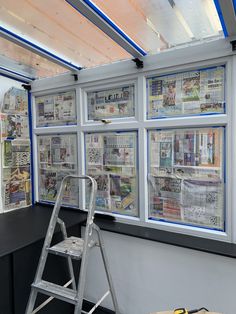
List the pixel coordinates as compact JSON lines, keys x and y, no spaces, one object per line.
{"x":171,"y":238}
{"x":22,"y":227}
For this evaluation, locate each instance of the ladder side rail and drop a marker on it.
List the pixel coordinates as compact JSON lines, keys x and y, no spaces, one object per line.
{"x":87,"y":238}
{"x":44,"y":252}
{"x":107,"y":270}
{"x":50,"y":231}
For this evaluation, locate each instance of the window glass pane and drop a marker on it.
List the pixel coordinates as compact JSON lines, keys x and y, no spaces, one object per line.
{"x":56,"y":109}
{"x":111,"y":103}
{"x":162,"y":24}
{"x":186,"y":176}
{"x":111,"y":160}
{"x":26,"y":62}
{"x":57,"y":27}
{"x":57,"y":158}
{"x":187,"y":93}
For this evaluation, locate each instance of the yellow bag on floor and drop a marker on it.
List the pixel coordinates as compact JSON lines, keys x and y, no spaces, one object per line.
{"x":172,"y":312}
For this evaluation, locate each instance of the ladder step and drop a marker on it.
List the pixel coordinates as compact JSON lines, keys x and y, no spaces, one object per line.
{"x":71,"y":246}
{"x":56,"y":291}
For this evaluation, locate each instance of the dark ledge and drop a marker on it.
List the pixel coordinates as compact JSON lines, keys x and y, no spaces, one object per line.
{"x":25,"y":226}
{"x":181,"y":240}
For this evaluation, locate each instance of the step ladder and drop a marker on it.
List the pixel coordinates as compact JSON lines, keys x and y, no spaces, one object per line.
{"x":71,"y":248}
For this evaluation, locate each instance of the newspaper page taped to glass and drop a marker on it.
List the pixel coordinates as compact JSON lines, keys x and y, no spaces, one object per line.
{"x":15,"y":101}
{"x":111,"y":103}
{"x":14,"y":126}
{"x":15,"y":147}
{"x":16,"y":185}
{"x":57,"y":158}
{"x":111,"y":160}
{"x":56,"y":109}
{"x":186,"y":93}
{"x":186,"y":176}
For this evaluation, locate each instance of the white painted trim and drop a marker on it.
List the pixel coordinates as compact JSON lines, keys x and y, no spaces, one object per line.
{"x":193,"y":57}
{"x":232,"y":144}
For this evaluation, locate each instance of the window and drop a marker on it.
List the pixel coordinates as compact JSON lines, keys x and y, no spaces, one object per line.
{"x":169,"y":139}
{"x":111,"y":103}
{"x":56,"y":109}
{"x":111,"y":160}
{"x":57,"y":158}
{"x":186,"y":176}
{"x":186,"y":93}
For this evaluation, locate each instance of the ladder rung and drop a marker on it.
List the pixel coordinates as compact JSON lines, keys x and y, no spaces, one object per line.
{"x":56,"y":291}
{"x":71,"y":246}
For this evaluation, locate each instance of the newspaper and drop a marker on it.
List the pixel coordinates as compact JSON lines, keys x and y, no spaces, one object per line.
{"x":181,"y":161}
{"x":203,"y":203}
{"x":111,"y":103}
{"x":165,"y":196}
{"x":16,"y":187}
{"x":16,"y":183}
{"x":186,"y":147}
{"x":193,"y":92}
{"x":16,"y":194}
{"x":49,"y":185}
{"x":57,"y":109}
{"x":57,"y":158}
{"x":16,"y":153}
{"x":15,"y":126}
{"x":15,"y":101}
{"x":111,"y":160}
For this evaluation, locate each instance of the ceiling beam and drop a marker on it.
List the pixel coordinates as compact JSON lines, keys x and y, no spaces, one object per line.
{"x":103,"y":22}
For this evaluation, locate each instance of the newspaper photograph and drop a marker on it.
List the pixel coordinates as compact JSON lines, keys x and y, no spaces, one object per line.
{"x":187,"y":93}
{"x":15,"y":101}
{"x":161,"y":148}
{"x":163,"y":96}
{"x":15,"y":126}
{"x":57,"y":109}
{"x":111,"y":103}
{"x":111,"y":160}
{"x":203,"y":203}
{"x":191,"y":86}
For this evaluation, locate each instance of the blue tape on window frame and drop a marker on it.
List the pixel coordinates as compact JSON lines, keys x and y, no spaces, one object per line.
{"x":111,"y":24}
{"x":40,"y":49}
{"x":221,"y":17}
{"x":234,"y":5}
{"x":31,"y":146}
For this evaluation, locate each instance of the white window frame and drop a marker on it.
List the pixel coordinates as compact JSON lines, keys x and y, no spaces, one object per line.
{"x":92,"y":79}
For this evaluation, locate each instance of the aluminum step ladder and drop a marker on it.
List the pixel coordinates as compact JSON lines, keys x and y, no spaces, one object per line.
{"x":71,"y":248}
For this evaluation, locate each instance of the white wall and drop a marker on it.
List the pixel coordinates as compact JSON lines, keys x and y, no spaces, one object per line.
{"x":151,"y":276}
